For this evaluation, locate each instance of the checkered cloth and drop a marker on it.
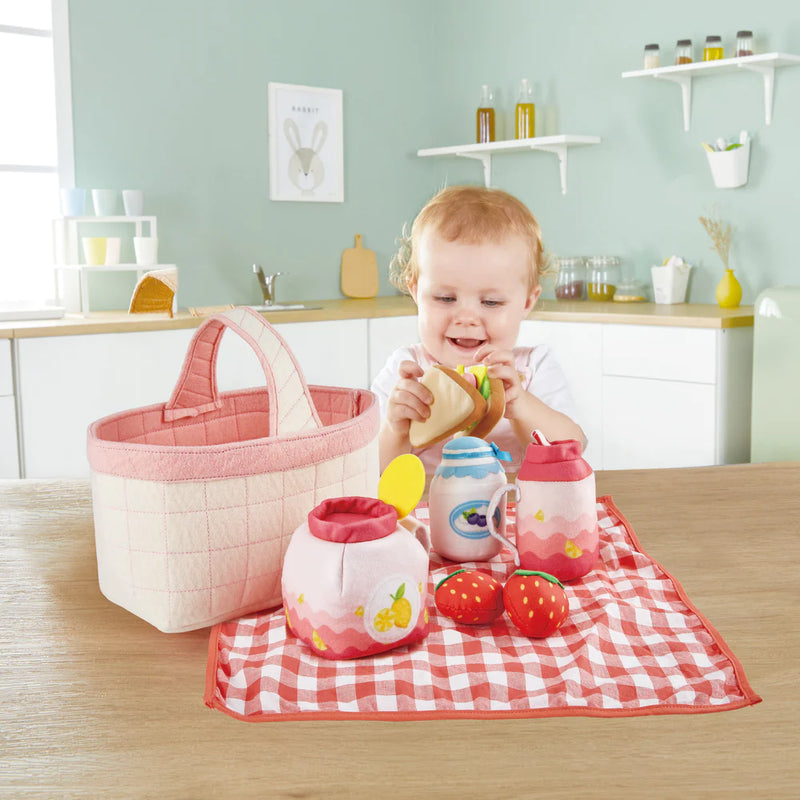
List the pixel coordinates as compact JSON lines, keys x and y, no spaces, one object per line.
{"x":632,"y":644}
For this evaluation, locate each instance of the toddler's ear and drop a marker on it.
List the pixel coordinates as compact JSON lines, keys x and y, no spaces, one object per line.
{"x":532,"y":298}
{"x":412,"y":290}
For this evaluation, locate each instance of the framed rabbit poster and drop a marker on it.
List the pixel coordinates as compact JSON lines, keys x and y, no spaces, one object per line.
{"x":306,"y":151}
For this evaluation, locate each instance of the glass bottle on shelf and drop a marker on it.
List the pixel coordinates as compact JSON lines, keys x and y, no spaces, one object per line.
{"x":524,"y":113}
{"x":571,"y":280}
{"x":744,"y":43}
{"x":683,"y":51}
{"x":652,"y":56}
{"x":603,"y":277}
{"x":485,"y":117}
{"x":713,"y":49}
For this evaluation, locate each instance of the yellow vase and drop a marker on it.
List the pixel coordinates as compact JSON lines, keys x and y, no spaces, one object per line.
{"x":729,"y":291}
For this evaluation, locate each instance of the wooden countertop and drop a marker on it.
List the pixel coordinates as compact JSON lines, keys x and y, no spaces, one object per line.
{"x":693,"y":315}
{"x":98,"y":704}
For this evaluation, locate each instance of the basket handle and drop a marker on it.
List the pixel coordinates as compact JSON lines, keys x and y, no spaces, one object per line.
{"x":291,"y":408}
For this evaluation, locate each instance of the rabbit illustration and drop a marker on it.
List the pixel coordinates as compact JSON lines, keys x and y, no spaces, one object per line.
{"x":306,"y":170}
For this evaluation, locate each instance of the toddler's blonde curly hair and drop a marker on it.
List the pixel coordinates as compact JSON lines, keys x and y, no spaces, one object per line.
{"x":473,"y":215}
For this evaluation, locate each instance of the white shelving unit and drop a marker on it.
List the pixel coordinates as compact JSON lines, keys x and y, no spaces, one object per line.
{"x":66,"y":240}
{"x":558,"y":145}
{"x":73,"y":282}
{"x":72,"y":277}
{"x":763,"y":64}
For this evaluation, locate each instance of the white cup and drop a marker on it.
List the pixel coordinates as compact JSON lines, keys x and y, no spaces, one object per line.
{"x":73,"y":202}
{"x":113,"y":247}
{"x":146,"y":249}
{"x":133,"y":200}
{"x":105,"y":202}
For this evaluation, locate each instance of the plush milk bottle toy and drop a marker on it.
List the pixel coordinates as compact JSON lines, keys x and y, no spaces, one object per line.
{"x":468,"y":475}
{"x":557,"y":530}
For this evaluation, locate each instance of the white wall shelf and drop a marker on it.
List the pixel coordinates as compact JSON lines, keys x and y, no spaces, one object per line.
{"x":764,"y":64}
{"x":557,"y":145}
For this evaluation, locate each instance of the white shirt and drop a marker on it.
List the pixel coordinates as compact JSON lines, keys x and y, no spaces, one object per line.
{"x":541,"y":376}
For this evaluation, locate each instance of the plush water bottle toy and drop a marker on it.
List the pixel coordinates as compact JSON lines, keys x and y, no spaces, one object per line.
{"x":557,"y":530}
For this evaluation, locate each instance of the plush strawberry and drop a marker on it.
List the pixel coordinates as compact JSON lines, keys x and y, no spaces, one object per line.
{"x":536,"y":602}
{"x":470,"y":597}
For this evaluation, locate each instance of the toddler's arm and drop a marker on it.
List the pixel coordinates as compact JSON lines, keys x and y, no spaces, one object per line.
{"x":408,"y":400}
{"x":525,"y":411}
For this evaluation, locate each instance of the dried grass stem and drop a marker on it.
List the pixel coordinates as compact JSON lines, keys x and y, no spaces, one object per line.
{"x":720,"y":235}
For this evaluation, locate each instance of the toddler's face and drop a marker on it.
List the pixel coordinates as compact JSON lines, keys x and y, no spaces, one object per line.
{"x":468,"y":295}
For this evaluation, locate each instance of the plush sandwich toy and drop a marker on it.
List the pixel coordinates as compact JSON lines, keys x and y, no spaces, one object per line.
{"x":464,"y":400}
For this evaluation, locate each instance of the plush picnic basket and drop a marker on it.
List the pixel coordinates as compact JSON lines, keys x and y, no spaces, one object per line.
{"x":195,"y":499}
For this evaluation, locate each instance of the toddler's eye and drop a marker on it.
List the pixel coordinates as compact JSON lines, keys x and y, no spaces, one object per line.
{"x":445,"y":298}
{"x":493,"y":303}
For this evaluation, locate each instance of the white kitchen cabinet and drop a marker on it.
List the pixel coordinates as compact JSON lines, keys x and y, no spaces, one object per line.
{"x":577,"y":348}
{"x":655,"y":396}
{"x":9,"y":464}
{"x":676,"y":397}
{"x":645,"y":395}
{"x":67,"y":382}
{"x":332,"y":353}
{"x":653,"y":423}
{"x":386,"y":334}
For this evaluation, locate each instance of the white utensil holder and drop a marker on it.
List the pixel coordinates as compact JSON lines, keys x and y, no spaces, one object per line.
{"x":670,"y":283}
{"x":729,"y":168}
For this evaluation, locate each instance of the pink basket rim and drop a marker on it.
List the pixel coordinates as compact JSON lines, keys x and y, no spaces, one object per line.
{"x":233,"y":459}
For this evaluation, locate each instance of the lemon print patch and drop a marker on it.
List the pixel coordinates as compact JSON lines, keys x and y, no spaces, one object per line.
{"x":572,"y":550}
{"x":401,"y":607}
{"x":392,"y":610}
{"x":317,"y":640}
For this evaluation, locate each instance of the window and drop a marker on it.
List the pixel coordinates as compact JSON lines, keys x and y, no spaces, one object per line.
{"x":35,"y":143}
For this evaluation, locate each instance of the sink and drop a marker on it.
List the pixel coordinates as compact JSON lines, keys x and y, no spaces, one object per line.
{"x":285,"y":307}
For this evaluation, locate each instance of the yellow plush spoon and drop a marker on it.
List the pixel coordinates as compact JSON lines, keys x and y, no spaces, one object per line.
{"x":402,"y":484}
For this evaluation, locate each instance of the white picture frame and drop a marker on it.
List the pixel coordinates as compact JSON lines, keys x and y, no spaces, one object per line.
{"x":306,"y":147}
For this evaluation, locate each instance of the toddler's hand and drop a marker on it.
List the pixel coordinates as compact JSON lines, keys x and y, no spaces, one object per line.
{"x":409,"y":400}
{"x":500,"y":364}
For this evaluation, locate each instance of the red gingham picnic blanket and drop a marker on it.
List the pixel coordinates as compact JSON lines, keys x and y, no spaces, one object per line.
{"x":632,"y":644}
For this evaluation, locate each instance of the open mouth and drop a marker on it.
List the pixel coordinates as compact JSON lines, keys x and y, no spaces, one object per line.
{"x":465,"y":344}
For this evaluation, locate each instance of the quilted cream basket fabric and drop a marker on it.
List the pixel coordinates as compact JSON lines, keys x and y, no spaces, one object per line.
{"x":195,"y":500}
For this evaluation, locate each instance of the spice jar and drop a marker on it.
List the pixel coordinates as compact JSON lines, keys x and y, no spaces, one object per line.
{"x":652,"y":56}
{"x":485,"y":117}
{"x":630,"y":291}
{"x":603,"y":277}
{"x":713,"y":49}
{"x":683,"y":51}
{"x":571,"y":280}
{"x":744,"y":43}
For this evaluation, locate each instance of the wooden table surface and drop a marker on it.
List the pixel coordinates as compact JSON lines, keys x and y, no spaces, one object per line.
{"x":97,"y":704}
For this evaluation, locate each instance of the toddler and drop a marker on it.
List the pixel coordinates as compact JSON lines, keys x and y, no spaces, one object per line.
{"x":472,"y":264}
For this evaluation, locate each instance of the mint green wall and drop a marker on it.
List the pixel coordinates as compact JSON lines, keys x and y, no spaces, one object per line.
{"x":171,"y":97}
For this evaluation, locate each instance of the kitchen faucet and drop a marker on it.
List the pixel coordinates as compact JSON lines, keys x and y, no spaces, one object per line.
{"x":267,"y":283}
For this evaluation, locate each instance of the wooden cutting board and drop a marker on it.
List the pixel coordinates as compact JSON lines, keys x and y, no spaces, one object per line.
{"x":359,"y":271}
